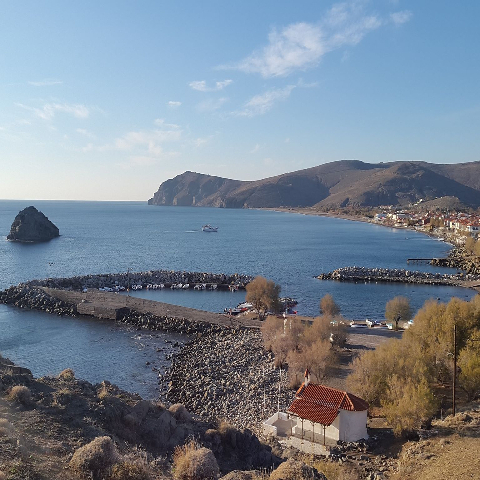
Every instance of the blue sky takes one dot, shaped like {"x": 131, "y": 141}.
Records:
{"x": 104, "y": 100}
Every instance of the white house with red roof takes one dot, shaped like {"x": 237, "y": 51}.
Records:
{"x": 321, "y": 415}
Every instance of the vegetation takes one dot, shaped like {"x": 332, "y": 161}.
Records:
{"x": 191, "y": 462}
{"x": 263, "y": 294}
{"x": 304, "y": 345}
{"x": 295, "y": 470}
{"x": 398, "y": 309}
{"x": 328, "y": 306}
{"x": 21, "y": 394}
{"x": 401, "y": 375}
{"x": 95, "y": 459}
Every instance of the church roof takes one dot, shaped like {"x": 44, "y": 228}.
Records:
{"x": 320, "y": 404}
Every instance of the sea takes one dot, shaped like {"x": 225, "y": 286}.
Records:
{"x": 110, "y": 237}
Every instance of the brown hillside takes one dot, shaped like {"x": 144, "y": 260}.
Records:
{"x": 342, "y": 183}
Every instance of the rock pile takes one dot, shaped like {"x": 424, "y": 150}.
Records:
{"x": 363, "y": 274}
{"x": 25, "y": 296}
{"x": 228, "y": 374}
{"x": 167, "y": 277}
{"x": 30, "y": 225}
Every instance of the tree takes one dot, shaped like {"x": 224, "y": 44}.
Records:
{"x": 408, "y": 405}
{"x": 398, "y": 309}
{"x": 328, "y": 306}
{"x": 469, "y": 365}
{"x": 263, "y": 295}
{"x": 470, "y": 244}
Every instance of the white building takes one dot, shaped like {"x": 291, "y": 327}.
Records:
{"x": 321, "y": 415}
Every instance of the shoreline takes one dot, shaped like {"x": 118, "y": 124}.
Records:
{"x": 469, "y": 284}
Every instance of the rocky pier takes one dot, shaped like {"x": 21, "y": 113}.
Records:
{"x": 151, "y": 277}
{"x": 363, "y": 274}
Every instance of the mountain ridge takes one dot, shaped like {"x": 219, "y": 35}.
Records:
{"x": 336, "y": 184}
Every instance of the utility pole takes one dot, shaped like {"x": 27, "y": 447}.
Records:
{"x": 454, "y": 366}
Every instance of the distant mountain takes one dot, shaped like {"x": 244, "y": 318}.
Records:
{"x": 335, "y": 184}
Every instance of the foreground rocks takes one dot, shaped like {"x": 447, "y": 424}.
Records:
{"x": 30, "y": 225}
{"x": 38, "y": 439}
{"x": 228, "y": 374}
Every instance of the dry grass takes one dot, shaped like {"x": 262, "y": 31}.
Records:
{"x": 191, "y": 462}
{"x": 5, "y": 427}
{"x": 68, "y": 374}
{"x": 129, "y": 471}
{"x": 294, "y": 470}
{"x": 334, "y": 471}
{"x": 180, "y": 413}
{"x": 95, "y": 458}
{"x": 20, "y": 394}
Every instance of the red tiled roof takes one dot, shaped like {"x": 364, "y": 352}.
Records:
{"x": 320, "y": 404}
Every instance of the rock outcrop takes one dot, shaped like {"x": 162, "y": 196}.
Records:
{"x": 30, "y": 225}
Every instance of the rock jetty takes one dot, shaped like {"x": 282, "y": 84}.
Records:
{"x": 363, "y": 274}
{"x": 143, "y": 279}
{"x": 30, "y": 225}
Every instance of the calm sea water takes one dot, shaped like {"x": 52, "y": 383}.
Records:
{"x": 108, "y": 237}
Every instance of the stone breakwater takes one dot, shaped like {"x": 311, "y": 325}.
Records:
{"x": 228, "y": 374}
{"x": 24, "y": 296}
{"x": 167, "y": 277}
{"x": 362, "y": 274}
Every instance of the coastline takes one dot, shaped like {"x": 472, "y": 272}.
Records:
{"x": 469, "y": 284}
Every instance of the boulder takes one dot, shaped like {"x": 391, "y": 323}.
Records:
{"x": 30, "y": 225}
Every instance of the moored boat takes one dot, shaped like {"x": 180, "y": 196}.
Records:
{"x": 209, "y": 228}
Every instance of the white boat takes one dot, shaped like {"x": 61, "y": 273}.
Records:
{"x": 209, "y": 228}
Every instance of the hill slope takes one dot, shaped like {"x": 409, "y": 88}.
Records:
{"x": 342, "y": 183}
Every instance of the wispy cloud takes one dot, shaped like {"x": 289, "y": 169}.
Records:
{"x": 300, "y": 46}
{"x": 399, "y": 18}
{"x": 173, "y": 104}
{"x": 261, "y": 104}
{"x": 201, "y": 85}
{"x": 85, "y": 133}
{"x": 211, "y": 104}
{"x": 49, "y": 110}
{"x": 255, "y": 149}
{"x": 46, "y": 83}
{"x": 160, "y": 122}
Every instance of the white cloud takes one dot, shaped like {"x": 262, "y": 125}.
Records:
{"x": 255, "y": 149}
{"x": 46, "y": 83}
{"x": 86, "y": 133}
{"x": 49, "y": 110}
{"x": 173, "y": 104}
{"x": 160, "y": 122}
{"x": 200, "y": 142}
{"x": 211, "y": 104}
{"x": 300, "y": 46}
{"x": 201, "y": 85}
{"x": 399, "y": 18}
{"x": 261, "y": 104}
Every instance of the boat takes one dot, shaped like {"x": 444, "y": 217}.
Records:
{"x": 209, "y": 228}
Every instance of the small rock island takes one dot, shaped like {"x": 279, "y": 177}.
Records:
{"x": 30, "y": 225}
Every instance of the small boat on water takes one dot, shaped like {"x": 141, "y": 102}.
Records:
{"x": 209, "y": 228}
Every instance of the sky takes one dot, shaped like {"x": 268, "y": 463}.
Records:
{"x": 105, "y": 100}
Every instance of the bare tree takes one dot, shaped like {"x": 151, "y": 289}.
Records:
{"x": 263, "y": 295}
{"x": 398, "y": 309}
{"x": 328, "y": 306}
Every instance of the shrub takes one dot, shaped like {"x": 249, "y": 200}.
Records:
{"x": 5, "y": 427}
{"x": 20, "y": 394}
{"x": 193, "y": 463}
{"x": 180, "y": 413}
{"x": 94, "y": 458}
{"x": 295, "y": 470}
{"x": 129, "y": 471}
{"x": 68, "y": 374}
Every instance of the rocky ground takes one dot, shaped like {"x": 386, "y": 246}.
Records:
{"x": 229, "y": 375}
